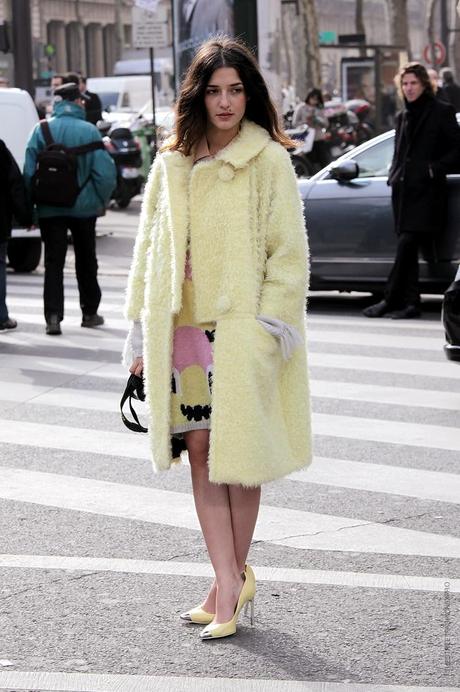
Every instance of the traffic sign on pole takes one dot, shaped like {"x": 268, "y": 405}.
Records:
{"x": 439, "y": 51}
{"x": 148, "y": 32}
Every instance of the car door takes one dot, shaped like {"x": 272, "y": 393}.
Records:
{"x": 350, "y": 223}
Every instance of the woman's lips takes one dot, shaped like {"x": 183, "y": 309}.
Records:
{"x": 224, "y": 116}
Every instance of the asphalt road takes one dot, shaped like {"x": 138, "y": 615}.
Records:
{"x": 357, "y": 558}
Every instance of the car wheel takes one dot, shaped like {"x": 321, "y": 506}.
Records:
{"x": 24, "y": 253}
{"x": 302, "y": 168}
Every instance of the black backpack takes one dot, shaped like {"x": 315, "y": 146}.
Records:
{"x": 55, "y": 181}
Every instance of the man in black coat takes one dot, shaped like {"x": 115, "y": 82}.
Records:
{"x": 427, "y": 147}
{"x": 93, "y": 105}
{"x": 13, "y": 200}
{"x": 450, "y": 88}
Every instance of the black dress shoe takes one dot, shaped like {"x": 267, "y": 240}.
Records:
{"x": 8, "y": 324}
{"x": 376, "y": 310}
{"x": 405, "y": 313}
{"x": 92, "y": 320}
{"x": 53, "y": 325}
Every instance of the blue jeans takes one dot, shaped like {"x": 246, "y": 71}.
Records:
{"x": 3, "y": 308}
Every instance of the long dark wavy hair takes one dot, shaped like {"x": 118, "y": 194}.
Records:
{"x": 191, "y": 116}
{"x": 420, "y": 72}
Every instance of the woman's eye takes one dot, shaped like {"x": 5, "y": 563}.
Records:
{"x": 237, "y": 90}
{"x": 211, "y": 91}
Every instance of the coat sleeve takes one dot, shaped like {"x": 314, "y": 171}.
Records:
{"x": 285, "y": 285}
{"x": 103, "y": 173}
{"x": 17, "y": 193}
{"x": 450, "y": 132}
{"x": 136, "y": 280}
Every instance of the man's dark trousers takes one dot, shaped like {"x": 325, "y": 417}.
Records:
{"x": 54, "y": 235}
{"x": 402, "y": 287}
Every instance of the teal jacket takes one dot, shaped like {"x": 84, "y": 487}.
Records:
{"x": 69, "y": 127}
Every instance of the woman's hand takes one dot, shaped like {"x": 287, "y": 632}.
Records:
{"x": 137, "y": 366}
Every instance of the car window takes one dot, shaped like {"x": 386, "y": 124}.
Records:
{"x": 376, "y": 160}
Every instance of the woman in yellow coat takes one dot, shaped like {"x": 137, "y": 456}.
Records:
{"x": 217, "y": 297}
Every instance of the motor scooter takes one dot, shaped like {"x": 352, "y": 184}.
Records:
{"x": 304, "y": 137}
{"x": 126, "y": 152}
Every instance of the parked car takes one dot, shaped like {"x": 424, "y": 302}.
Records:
{"x": 18, "y": 118}
{"x": 347, "y": 208}
{"x": 451, "y": 319}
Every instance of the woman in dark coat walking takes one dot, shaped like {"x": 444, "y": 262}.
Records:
{"x": 427, "y": 147}
{"x": 13, "y": 200}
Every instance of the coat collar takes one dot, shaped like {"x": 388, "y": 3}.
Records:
{"x": 249, "y": 142}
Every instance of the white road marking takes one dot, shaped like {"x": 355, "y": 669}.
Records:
{"x": 288, "y": 527}
{"x": 404, "y": 582}
{"x": 356, "y": 363}
{"x": 70, "y": 321}
{"x": 349, "y": 337}
{"x": 71, "y": 366}
{"x": 382, "y": 478}
{"x": 403, "y": 325}
{"x": 379, "y": 394}
{"x": 389, "y": 431}
{"x": 93, "y": 682}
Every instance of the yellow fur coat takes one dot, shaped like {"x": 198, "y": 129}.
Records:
{"x": 249, "y": 253}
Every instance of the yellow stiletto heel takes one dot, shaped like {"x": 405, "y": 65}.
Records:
{"x": 198, "y": 616}
{"x": 226, "y": 629}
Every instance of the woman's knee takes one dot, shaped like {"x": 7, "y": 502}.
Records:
{"x": 197, "y": 442}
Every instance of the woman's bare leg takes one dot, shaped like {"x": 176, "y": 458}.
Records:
{"x": 244, "y": 507}
{"x": 212, "y": 502}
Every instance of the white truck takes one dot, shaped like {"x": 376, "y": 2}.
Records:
{"x": 18, "y": 116}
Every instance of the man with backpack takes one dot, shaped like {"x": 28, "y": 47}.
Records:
{"x": 69, "y": 177}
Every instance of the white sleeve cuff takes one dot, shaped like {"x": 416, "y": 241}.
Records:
{"x": 133, "y": 347}
{"x": 289, "y": 336}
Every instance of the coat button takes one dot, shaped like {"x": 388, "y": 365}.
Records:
{"x": 226, "y": 173}
{"x": 223, "y": 304}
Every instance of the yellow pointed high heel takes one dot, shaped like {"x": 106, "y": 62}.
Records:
{"x": 198, "y": 616}
{"x": 226, "y": 629}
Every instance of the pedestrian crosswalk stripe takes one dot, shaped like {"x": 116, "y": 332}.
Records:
{"x": 389, "y": 431}
{"x": 94, "y": 682}
{"x": 382, "y": 478}
{"x": 375, "y": 324}
{"x": 278, "y": 525}
{"x": 51, "y": 364}
{"x": 403, "y": 582}
{"x": 403, "y": 366}
{"x": 380, "y": 394}
{"x": 352, "y": 338}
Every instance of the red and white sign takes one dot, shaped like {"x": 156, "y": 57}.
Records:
{"x": 439, "y": 53}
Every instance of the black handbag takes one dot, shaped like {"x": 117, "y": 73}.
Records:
{"x": 134, "y": 390}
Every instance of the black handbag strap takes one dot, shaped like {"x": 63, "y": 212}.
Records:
{"x": 134, "y": 390}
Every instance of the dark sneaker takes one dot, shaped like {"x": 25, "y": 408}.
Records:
{"x": 92, "y": 320}
{"x": 53, "y": 325}
{"x": 406, "y": 313}
{"x": 8, "y": 324}
{"x": 376, "y": 310}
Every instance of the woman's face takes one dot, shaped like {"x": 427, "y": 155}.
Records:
{"x": 313, "y": 100}
{"x": 225, "y": 99}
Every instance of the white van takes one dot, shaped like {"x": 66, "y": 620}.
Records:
{"x": 124, "y": 93}
{"x": 18, "y": 116}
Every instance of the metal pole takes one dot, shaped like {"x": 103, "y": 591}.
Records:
{"x": 444, "y": 31}
{"x": 152, "y": 76}
{"x": 173, "y": 22}
{"x": 378, "y": 92}
{"x": 22, "y": 45}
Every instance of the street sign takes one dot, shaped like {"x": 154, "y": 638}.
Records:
{"x": 148, "y": 5}
{"x": 148, "y": 32}
{"x": 327, "y": 37}
{"x": 439, "y": 53}
{"x": 50, "y": 50}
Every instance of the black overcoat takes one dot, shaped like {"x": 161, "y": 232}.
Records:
{"x": 13, "y": 199}
{"x": 424, "y": 154}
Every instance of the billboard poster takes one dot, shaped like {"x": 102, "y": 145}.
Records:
{"x": 358, "y": 79}
{"x": 197, "y": 20}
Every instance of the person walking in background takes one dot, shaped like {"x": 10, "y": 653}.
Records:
{"x": 219, "y": 280}
{"x": 93, "y": 105}
{"x": 13, "y": 201}
{"x": 427, "y": 147}
{"x": 95, "y": 179}
{"x": 311, "y": 113}
{"x": 450, "y": 88}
